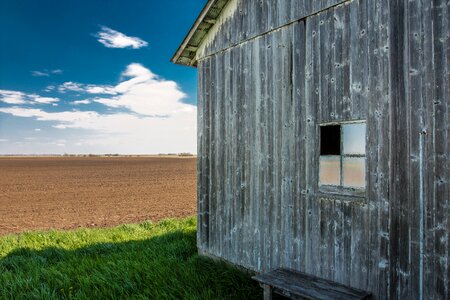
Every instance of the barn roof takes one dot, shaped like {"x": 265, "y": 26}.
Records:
{"x": 185, "y": 54}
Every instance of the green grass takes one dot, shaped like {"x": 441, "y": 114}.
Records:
{"x": 142, "y": 261}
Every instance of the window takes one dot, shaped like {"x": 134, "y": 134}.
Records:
{"x": 342, "y": 161}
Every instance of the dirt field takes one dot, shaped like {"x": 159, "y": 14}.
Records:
{"x": 71, "y": 192}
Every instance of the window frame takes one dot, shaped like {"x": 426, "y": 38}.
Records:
{"x": 341, "y": 190}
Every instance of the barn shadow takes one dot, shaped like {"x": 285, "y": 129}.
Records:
{"x": 161, "y": 267}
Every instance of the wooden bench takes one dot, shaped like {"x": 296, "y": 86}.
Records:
{"x": 297, "y": 285}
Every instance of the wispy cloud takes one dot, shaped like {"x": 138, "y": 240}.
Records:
{"x": 44, "y": 100}
{"x": 49, "y": 88}
{"x": 74, "y": 118}
{"x": 12, "y": 97}
{"x": 146, "y": 115}
{"x": 78, "y": 102}
{"x": 46, "y": 73}
{"x": 114, "y": 39}
{"x": 122, "y": 132}
{"x": 39, "y": 74}
{"x": 100, "y": 89}
{"x": 70, "y": 86}
{"x": 141, "y": 92}
{"x": 17, "y": 97}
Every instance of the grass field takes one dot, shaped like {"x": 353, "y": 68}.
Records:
{"x": 141, "y": 261}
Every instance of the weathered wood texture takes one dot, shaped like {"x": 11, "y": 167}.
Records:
{"x": 243, "y": 19}
{"x": 298, "y": 285}
{"x": 420, "y": 179}
{"x": 260, "y": 103}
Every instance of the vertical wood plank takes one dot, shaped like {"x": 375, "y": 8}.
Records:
{"x": 299, "y": 111}
{"x": 205, "y": 154}
{"x": 200, "y": 157}
{"x": 212, "y": 159}
{"x": 441, "y": 150}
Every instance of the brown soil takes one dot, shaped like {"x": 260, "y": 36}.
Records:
{"x": 39, "y": 193}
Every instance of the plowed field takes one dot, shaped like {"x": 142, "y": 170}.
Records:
{"x": 69, "y": 192}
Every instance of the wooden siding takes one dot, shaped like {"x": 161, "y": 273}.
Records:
{"x": 260, "y": 103}
{"x": 245, "y": 19}
{"x": 420, "y": 175}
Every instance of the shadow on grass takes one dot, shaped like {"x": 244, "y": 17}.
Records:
{"x": 165, "y": 266}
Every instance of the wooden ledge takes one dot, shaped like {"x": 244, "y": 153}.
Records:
{"x": 298, "y": 285}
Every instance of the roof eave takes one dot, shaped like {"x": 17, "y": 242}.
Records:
{"x": 186, "y": 52}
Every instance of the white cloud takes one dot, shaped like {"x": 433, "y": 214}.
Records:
{"x": 66, "y": 117}
{"x": 46, "y": 73}
{"x": 3, "y": 140}
{"x": 141, "y": 91}
{"x": 17, "y": 97}
{"x": 86, "y": 88}
{"x": 78, "y": 102}
{"x": 49, "y": 88}
{"x": 39, "y": 74}
{"x": 70, "y": 86}
{"x": 100, "y": 89}
{"x": 12, "y": 97}
{"x": 37, "y": 129}
{"x": 115, "y": 39}
{"x": 45, "y": 100}
{"x": 146, "y": 94}
{"x": 158, "y": 121}
{"x": 122, "y": 132}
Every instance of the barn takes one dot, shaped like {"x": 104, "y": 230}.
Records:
{"x": 323, "y": 139}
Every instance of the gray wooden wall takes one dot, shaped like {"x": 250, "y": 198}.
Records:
{"x": 255, "y": 17}
{"x": 260, "y": 103}
{"x": 420, "y": 185}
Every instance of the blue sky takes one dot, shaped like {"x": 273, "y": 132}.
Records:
{"x": 95, "y": 77}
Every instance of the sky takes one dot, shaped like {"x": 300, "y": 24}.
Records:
{"x": 94, "y": 76}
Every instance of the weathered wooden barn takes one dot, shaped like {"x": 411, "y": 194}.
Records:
{"x": 324, "y": 139}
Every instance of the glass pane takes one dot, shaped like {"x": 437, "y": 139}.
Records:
{"x": 354, "y": 138}
{"x": 354, "y": 170}
{"x": 330, "y": 170}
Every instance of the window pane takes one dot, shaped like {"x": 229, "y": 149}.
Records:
{"x": 330, "y": 140}
{"x": 354, "y": 138}
{"x": 354, "y": 170}
{"x": 330, "y": 170}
